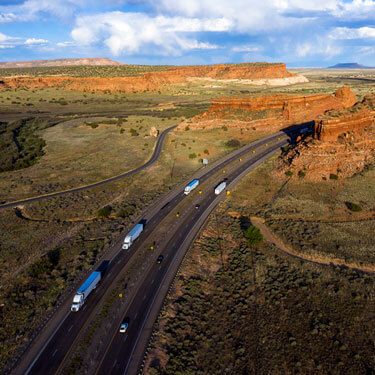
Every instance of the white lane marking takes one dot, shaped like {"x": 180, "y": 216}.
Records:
{"x": 136, "y": 316}
{"x": 110, "y": 274}
{"x": 144, "y": 297}
{"x": 114, "y": 364}
{"x": 152, "y": 281}
{"x": 70, "y": 328}
{"x": 54, "y": 353}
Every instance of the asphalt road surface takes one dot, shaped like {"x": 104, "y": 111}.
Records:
{"x": 126, "y": 350}
{"x": 152, "y": 160}
{"x": 119, "y": 358}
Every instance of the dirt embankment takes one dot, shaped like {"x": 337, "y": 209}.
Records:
{"x": 151, "y": 81}
{"x": 343, "y": 144}
{"x": 271, "y": 112}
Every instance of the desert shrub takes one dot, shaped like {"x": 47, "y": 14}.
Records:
{"x": 333, "y": 176}
{"x": 353, "y": 206}
{"x": 187, "y": 128}
{"x": 289, "y": 173}
{"x": 93, "y": 125}
{"x": 134, "y": 132}
{"x": 206, "y": 152}
{"x": 225, "y": 128}
{"x": 253, "y": 235}
{"x": 233, "y": 143}
{"x": 104, "y": 211}
{"x": 192, "y": 155}
{"x": 301, "y": 174}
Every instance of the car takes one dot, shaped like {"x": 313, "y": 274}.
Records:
{"x": 160, "y": 259}
{"x": 197, "y": 206}
{"x": 123, "y": 327}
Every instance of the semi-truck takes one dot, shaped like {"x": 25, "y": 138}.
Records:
{"x": 191, "y": 186}
{"x": 132, "y": 236}
{"x": 85, "y": 289}
{"x": 219, "y": 188}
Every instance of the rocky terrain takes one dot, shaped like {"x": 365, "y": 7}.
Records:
{"x": 154, "y": 80}
{"x": 59, "y": 62}
{"x": 343, "y": 144}
{"x": 271, "y": 112}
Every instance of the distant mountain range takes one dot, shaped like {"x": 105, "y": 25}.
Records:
{"x": 59, "y": 62}
{"x": 350, "y": 66}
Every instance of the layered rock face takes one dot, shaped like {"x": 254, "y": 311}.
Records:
{"x": 152, "y": 81}
{"x": 272, "y": 111}
{"x": 355, "y": 119}
{"x": 344, "y": 143}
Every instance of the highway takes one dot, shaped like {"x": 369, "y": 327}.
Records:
{"x": 154, "y": 157}
{"x": 125, "y": 353}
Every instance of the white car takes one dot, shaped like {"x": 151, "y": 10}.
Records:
{"x": 123, "y": 327}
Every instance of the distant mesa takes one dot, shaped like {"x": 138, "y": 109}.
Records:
{"x": 59, "y": 62}
{"x": 350, "y": 66}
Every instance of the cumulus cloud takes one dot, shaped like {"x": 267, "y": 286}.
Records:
{"x": 132, "y": 32}
{"x": 350, "y": 33}
{"x": 7, "y": 41}
{"x": 35, "y": 41}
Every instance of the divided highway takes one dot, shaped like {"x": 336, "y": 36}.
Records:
{"x": 125, "y": 352}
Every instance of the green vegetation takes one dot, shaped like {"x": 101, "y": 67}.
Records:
{"x": 104, "y": 211}
{"x": 233, "y": 143}
{"x": 253, "y": 235}
{"x": 20, "y": 144}
{"x": 333, "y": 176}
{"x": 353, "y": 206}
{"x": 258, "y": 312}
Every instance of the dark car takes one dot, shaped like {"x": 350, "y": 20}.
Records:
{"x": 160, "y": 259}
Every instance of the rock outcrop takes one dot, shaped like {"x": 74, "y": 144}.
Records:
{"x": 343, "y": 144}
{"x": 154, "y": 80}
{"x": 271, "y": 111}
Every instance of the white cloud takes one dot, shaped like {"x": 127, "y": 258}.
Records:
{"x": 66, "y": 44}
{"x": 7, "y": 17}
{"x": 246, "y": 48}
{"x": 133, "y": 32}
{"x": 35, "y": 41}
{"x": 349, "y": 33}
{"x": 317, "y": 48}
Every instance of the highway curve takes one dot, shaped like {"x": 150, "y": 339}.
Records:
{"x": 152, "y": 160}
{"x": 47, "y": 354}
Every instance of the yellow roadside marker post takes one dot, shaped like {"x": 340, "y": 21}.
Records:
{"x": 120, "y": 295}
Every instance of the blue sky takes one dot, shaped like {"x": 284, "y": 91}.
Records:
{"x": 298, "y": 32}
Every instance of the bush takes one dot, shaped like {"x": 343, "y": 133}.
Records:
{"x": 333, "y": 176}
{"x": 233, "y": 143}
{"x": 104, "y": 211}
{"x": 225, "y": 128}
{"x": 192, "y": 155}
{"x": 253, "y": 235}
{"x": 289, "y": 173}
{"x": 187, "y": 128}
{"x": 206, "y": 152}
{"x": 301, "y": 174}
{"x": 353, "y": 206}
{"x": 134, "y": 132}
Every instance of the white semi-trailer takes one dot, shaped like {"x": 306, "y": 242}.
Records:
{"x": 219, "y": 188}
{"x": 85, "y": 289}
{"x": 191, "y": 186}
{"x": 132, "y": 236}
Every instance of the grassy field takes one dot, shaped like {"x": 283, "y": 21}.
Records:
{"x": 71, "y": 138}
{"x": 243, "y": 306}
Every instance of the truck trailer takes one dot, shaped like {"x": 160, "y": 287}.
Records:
{"x": 191, "y": 186}
{"x": 219, "y": 188}
{"x": 85, "y": 289}
{"x": 132, "y": 236}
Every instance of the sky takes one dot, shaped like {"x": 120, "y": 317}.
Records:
{"x": 301, "y": 33}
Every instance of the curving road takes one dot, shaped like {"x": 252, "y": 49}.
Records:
{"x": 152, "y": 160}
{"x": 125, "y": 352}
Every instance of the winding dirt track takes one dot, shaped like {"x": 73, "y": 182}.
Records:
{"x": 317, "y": 259}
